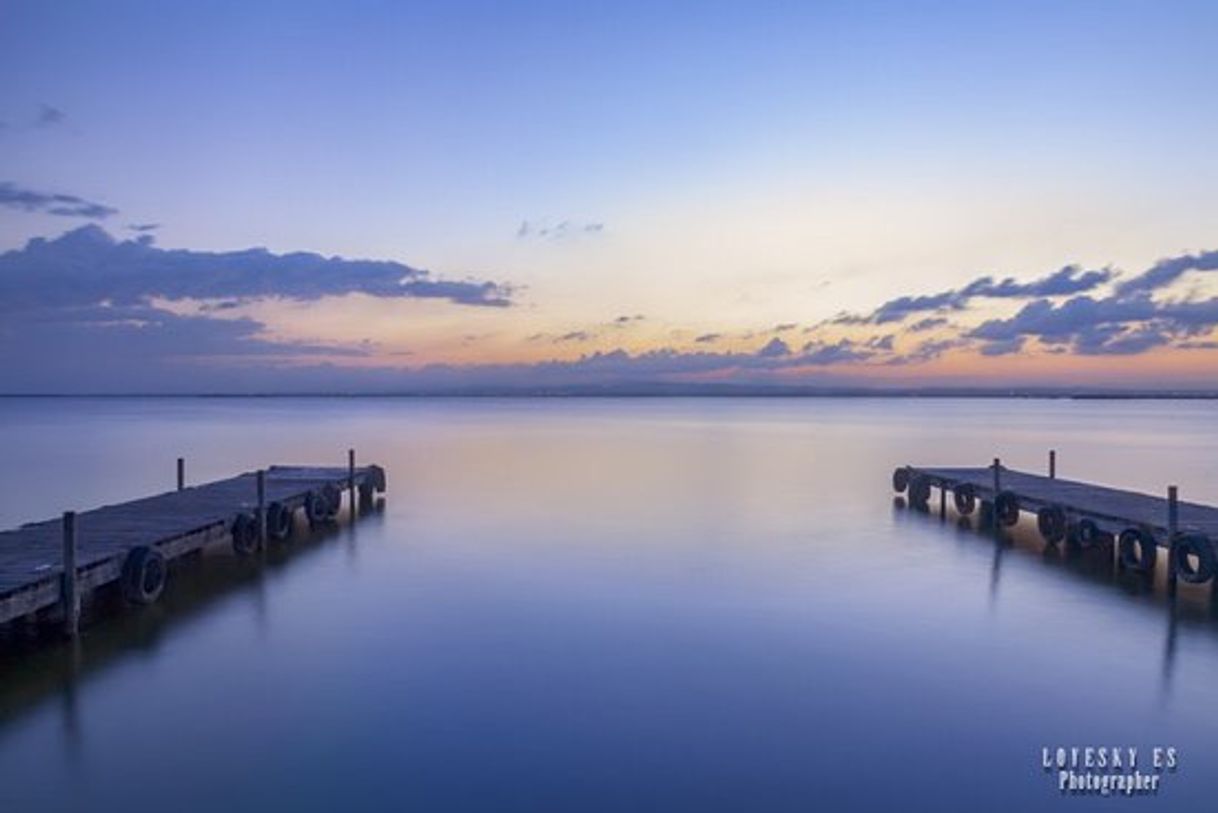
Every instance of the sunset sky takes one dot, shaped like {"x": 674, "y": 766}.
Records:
{"x": 366, "y": 196}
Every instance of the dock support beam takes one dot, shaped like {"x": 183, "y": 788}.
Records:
{"x": 1173, "y": 526}
{"x": 351, "y": 480}
{"x": 181, "y": 473}
{"x": 1053, "y": 464}
{"x": 262, "y": 508}
{"x": 71, "y": 594}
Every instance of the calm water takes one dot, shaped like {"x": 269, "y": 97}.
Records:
{"x": 620, "y": 605}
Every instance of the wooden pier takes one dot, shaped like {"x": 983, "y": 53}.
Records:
{"x": 49, "y": 567}
{"x": 1081, "y": 514}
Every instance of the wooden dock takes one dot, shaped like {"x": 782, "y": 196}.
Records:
{"x": 1081, "y": 514}
{"x": 48, "y": 567}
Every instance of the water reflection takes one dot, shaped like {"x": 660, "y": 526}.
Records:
{"x": 37, "y": 661}
{"x": 1097, "y": 565}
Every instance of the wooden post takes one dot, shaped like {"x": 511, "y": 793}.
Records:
{"x": 994, "y": 523}
{"x": 351, "y": 480}
{"x": 942, "y": 500}
{"x": 71, "y": 596}
{"x": 1173, "y": 526}
{"x": 262, "y": 507}
{"x": 1052, "y": 464}
{"x": 181, "y": 473}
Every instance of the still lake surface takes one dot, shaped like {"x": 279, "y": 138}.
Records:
{"x": 585, "y": 604}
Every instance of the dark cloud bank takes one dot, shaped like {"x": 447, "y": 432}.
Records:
{"x": 78, "y": 313}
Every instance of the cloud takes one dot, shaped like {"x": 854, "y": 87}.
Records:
{"x": 929, "y": 323}
{"x": 574, "y": 336}
{"x": 626, "y": 321}
{"x": 544, "y": 230}
{"x": 49, "y": 116}
{"x": 774, "y": 348}
{"x": 87, "y": 266}
{"x": 784, "y": 327}
{"x": 842, "y": 352}
{"x": 1003, "y": 348}
{"x": 1167, "y": 271}
{"x": 707, "y": 338}
{"x": 1116, "y": 324}
{"x": 52, "y": 203}
{"x": 1068, "y": 280}
{"x": 84, "y": 309}
{"x": 143, "y": 227}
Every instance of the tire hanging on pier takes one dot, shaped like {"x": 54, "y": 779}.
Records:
{"x": 1051, "y": 522}
{"x": 279, "y": 522}
{"x": 377, "y": 475}
{"x": 1006, "y": 508}
{"x": 334, "y": 498}
{"x": 1087, "y": 534}
{"x": 244, "y": 531}
{"x": 1137, "y": 550}
{"x": 965, "y": 498}
{"x": 1188, "y": 547}
{"x": 919, "y": 491}
{"x": 317, "y": 508}
{"x": 900, "y": 479}
{"x": 143, "y": 577}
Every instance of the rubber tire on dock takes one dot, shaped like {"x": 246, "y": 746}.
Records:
{"x": 900, "y": 479}
{"x": 377, "y": 475}
{"x": 1006, "y": 508}
{"x": 1137, "y": 550}
{"x": 317, "y": 508}
{"x": 334, "y": 498}
{"x": 244, "y": 530}
{"x": 919, "y": 491}
{"x": 143, "y": 577}
{"x": 279, "y": 523}
{"x": 1087, "y": 534}
{"x": 965, "y": 498}
{"x": 1199, "y": 546}
{"x": 1051, "y": 522}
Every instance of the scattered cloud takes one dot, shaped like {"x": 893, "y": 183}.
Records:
{"x": 774, "y": 348}
{"x": 707, "y": 338}
{"x": 545, "y": 230}
{"x": 929, "y": 323}
{"x": 143, "y": 228}
{"x": 574, "y": 336}
{"x": 52, "y": 203}
{"x": 1167, "y": 271}
{"x": 49, "y": 116}
{"x": 1068, "y": 280}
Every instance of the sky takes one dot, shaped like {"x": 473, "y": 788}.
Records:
{"x": 363, "y": 196}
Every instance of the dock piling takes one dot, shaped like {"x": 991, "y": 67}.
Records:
{"x": 351, "y": 479}
{"x": 71, "y": 593}
{"x": 262, "y": 508}
{"x": 997, "y": 477}
{"x": 1052, "y": 464}
{"x": 181, "y": 473}
{"x": 1173, "y": 526}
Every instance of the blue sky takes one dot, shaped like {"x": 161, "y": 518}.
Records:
{"x": 716, "y": 168}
